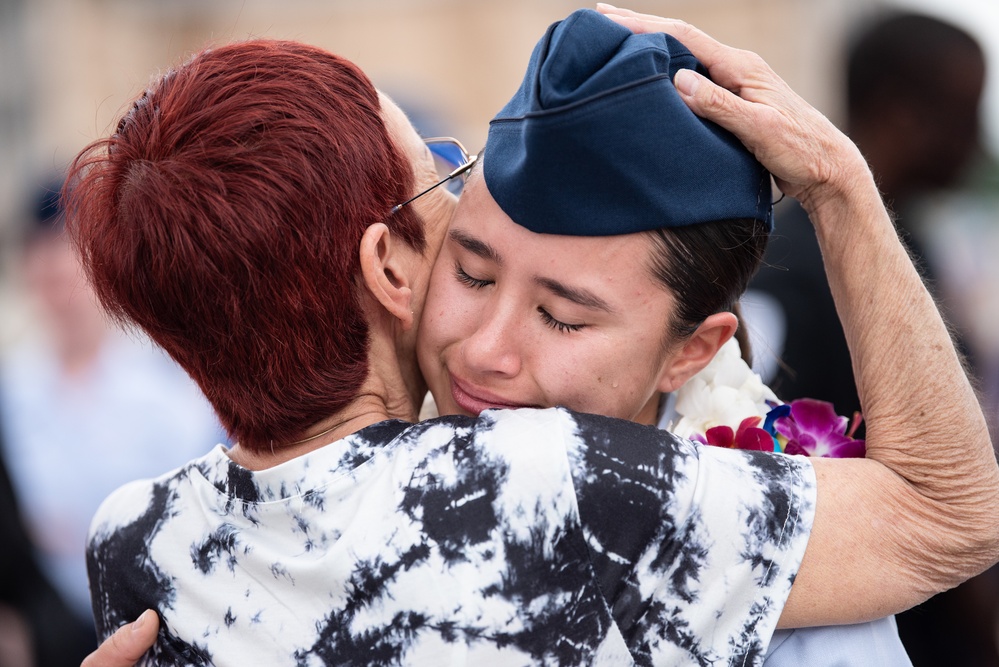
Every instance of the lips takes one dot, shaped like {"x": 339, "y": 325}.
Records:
{"x": 474, "y": 400}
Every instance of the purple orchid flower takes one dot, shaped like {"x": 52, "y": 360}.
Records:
{"x": 813, "y": 428}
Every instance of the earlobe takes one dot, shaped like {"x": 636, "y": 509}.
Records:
{"x": 697, "y": 351}
{"x": 383, "y": 270}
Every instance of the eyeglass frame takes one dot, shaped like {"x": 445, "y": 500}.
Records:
{"x": 460, "y": 171}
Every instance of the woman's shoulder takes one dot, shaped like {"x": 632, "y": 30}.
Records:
{"x": 140, "y": 499}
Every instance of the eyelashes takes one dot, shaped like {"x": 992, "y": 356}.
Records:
{"x": 546, "y": 317}
{"x": 558, "y": 325}
{"x": 469, "y": 281}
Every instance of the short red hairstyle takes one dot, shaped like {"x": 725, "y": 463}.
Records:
{"x": 224, "y": 217}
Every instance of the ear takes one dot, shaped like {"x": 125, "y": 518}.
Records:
{"x": 384, "y": 272}
{"x": 697, "y": 351}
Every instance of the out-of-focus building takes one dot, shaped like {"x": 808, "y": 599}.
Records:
{"x": 68, "y": 66}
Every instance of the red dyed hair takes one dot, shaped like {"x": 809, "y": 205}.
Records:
{"x": 224, "y": 218}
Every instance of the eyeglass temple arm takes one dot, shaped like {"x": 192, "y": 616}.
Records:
{"x": 457, "y": 172}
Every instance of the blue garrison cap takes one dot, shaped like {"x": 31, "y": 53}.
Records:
{"x": 598, "y": 142}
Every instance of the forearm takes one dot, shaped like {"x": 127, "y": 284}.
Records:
{"x": 916, "y": 397}
{"x": 924, "y": 423}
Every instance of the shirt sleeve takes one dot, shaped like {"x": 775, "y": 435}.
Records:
{"x": 125, "y": 579}
{"x": 695, "y": 547}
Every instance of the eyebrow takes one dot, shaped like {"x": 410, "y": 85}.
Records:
{"x": 475, "y": 246}
{"x": 577, "y": 295}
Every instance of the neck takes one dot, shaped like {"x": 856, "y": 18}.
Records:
{"x": 649, "y": 414}
{"x": 388, "y": 393}
{"x": 362, "y": 412}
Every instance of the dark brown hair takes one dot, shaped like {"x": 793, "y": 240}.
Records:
{"x": 708, "y": 266}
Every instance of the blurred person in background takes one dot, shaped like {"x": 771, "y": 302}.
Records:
{"x": 37, "y": 628}
{"x": 914, "y": 89}
{"x": 84, "y": 409}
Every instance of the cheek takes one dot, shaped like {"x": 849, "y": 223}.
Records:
{"x": 613, "y": 379}
{"x": 446, "y": 316}
{"x": 437, "y": 220}
{"x": 583, "y": 377}
{"x": 431, "y": 344}
{"x": 434, "y": 316}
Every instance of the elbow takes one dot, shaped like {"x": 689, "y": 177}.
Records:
{"x": 963, "y": 532}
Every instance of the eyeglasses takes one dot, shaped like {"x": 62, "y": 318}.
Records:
{"x": 453, "y": 164}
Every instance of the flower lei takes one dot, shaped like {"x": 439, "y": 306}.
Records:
{"x": 728, "y": 393}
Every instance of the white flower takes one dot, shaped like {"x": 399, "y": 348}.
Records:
{"x": 725, "y": 392}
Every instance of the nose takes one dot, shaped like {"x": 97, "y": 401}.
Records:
{"x": 494, "y": 348}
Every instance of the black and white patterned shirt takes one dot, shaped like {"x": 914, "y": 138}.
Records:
{"x": 528, "y": 537}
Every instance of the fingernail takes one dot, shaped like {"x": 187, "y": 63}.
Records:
{"x": 686, "y": 82}
{"x": 143, "y": 618}
{"x": 604, "y": 5}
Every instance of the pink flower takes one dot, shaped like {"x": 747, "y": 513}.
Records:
{"x": 813, "y": 428}
{"x": 748, "y": 436}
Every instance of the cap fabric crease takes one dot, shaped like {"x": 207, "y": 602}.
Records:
{"x": 597, "y": 140}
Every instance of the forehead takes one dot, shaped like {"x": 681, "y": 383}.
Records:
{"x": 612, "y": 257}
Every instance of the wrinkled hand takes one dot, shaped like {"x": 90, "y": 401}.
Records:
{"x": 127, "y": 645}
{"x": 808, "y": 156}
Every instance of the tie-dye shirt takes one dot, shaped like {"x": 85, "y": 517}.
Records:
{"x": 528, "y": 537}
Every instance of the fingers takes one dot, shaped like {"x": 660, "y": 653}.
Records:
{"x": 804, "y": 151}
{"x": 706, "y": 49}
{"x": 127, "y": 645}
{"x": 641, "y": 22}
{"x": 742, "y": 72}
{"x": 711, "y": 101}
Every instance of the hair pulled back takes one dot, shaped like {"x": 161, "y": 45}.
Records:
{"x": 708, "y": 267}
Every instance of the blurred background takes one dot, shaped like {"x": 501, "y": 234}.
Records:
{"x": 76, "y": 395}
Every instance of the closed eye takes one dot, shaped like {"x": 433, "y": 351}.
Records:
{"x": 469, "y": 281}
{"x": 558, "y": 325}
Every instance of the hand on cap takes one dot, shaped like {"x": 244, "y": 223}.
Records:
{"x": 808, "y": 156}
{"x": 127, "y": 645}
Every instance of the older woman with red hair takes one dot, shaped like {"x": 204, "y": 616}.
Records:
{"x": 254, "y": 213}
{"x": 210, "y": 222}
